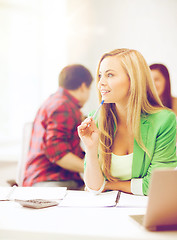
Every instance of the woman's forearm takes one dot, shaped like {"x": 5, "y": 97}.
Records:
{"x": 94, "y": 178}
{"x": 124, "y": 186}
{"x": 93, "y": 175}
{"x": 89, "y": 134}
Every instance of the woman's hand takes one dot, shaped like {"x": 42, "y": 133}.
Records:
{"x": 89, "y": 133}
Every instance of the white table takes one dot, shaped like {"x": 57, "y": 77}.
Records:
{"x": 19, "y": 223}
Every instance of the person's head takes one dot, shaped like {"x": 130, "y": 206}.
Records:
{"x": 125, "y": 75}
{"x": 125, "y": 82}
{"x": 161, "y": 77}
{"x": 77, "y": 80}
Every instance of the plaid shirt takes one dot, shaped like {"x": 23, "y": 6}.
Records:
{"x": 54, "y": 134}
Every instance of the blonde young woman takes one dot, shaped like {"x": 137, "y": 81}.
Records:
{"x": 133, "y": 134}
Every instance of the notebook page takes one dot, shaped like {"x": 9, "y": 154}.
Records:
{"x": 88, "y": 199}
{"x": 130, "y": 200}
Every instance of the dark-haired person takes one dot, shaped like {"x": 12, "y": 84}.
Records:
{"x": 161, "y": 78}
{"x": 55, "y": 157}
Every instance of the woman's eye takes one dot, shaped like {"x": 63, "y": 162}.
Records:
{"x": 110, "y": 75}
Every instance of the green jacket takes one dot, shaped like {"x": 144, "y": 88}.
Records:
{"x": 158, "y": 133}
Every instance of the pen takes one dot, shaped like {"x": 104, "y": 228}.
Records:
{"x": 95, "y": 114}
{"x": 118, "y": 197}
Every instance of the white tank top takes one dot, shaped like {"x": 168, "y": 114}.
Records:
{"x": 121, "y": 166}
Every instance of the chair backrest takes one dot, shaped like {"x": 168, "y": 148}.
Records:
{"x": 27, "y": 129}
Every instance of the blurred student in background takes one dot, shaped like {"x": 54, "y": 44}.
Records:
{"x": 55, "y": 157}
{"x": 161, "y": 78}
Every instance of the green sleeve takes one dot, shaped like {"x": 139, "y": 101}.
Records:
{"x": 164, "y": 154}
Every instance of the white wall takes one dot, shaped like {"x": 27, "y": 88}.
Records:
{"x": 97, "y": 26}
{"x": 32, "y": 52}
{"x": 39, "y": 37}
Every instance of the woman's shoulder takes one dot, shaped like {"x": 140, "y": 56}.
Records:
{"x": 161, "y": 120}
{"x": 162, "y": 116}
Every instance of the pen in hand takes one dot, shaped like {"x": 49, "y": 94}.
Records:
{"x": 95, "y": 114}
{"x": 93, "y": 117}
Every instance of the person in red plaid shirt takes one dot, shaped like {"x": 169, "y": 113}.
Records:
{"x": 55, "y": 156}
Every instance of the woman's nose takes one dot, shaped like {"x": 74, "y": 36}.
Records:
{"x": 102, "y": 81}
{"x": 100, "y": 84}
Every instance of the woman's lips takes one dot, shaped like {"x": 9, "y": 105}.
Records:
{"x": 104, "y": 92}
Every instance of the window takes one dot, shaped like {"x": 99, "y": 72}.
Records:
{"x": 32, "y": 53}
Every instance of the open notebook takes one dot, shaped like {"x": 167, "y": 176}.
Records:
{"x": 105, "y": 199}
{"x": 87, "y": 199}
{"x": 161, "y": 213}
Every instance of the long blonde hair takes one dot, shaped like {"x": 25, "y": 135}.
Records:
{"x": 143, "y": 99}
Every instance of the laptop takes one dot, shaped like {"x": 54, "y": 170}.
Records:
{"x": 161, "y": 212}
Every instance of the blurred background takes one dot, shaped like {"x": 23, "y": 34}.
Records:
{"x": 39, "y": 37}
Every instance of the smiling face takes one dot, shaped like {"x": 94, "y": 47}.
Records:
{"x": 114, "y": 83}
